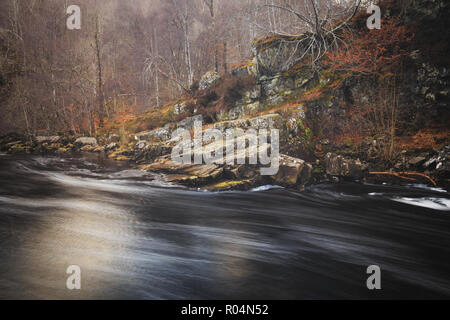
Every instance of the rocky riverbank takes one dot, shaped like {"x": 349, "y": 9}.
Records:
{"x": 431, "y": 167}
{"x": 155, "y": 157}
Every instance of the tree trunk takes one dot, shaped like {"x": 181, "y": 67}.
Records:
{"x": 100, "y": 97}
{"x": 225, "y": 66}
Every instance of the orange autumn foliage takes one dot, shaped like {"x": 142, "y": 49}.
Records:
{"x": 313, "y": 94}
{"x": 425, "y": 139}
{"x": 372, "y": 51}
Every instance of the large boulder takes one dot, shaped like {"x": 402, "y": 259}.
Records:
{"x": 209, "y": 80}
{"x": 274, "y": 55}
{"x": 83, "y": 141}
{"x": 293, "y": 172}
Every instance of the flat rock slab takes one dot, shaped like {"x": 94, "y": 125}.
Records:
{"x": 186, "y": 174}
{"x": 44, "y": 139}
{"x": 86, "y": 141}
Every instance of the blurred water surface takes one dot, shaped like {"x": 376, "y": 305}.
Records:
{"x": 135, "y": 237}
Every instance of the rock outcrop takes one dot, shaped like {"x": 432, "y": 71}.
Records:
{"x": 161, "y": 134}
{"x": 338, "y": 166}
{"x": 269, "y": 121}
{"x": 209, "y": 80}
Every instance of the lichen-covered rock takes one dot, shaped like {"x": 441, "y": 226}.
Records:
{"x": 209, "y": 80}
{"x": 145, "y": 151}
{"x": 272, "y": 86}
{"x": 269, "y": 121}
{"x": 338, "y": 166}
{"x": 254, "y": 93}
{"x": 243, "y": 110}
{"x": 188, "y": 123}
{"x": 161, "y": 134}
{"x": 236, "y": 113}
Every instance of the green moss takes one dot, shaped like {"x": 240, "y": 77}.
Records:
{"x": 168, "y": 117}
{"x": 319, "y": 169}
{"x": 18, "y": 148}
{"x": 349, "y": 142}
{"x": 62, "y": 150}
{"x": 306, "y": 135}
{"x": 231, "y": 184}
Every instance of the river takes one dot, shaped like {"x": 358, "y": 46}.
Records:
{"x": 135, "y": 237}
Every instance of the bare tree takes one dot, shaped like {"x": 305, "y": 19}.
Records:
{"x": 98, "y": 56}
{"x": 318, "y": 22}
{"x": 210, "y": 5}
{"x": 183, "y": 21}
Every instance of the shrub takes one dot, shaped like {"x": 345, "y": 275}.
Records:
{"x": 372, "y": 52}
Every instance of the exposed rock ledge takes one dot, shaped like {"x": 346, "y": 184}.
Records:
{"x": 292, "y": 173}
{"x": 155, "y": 157}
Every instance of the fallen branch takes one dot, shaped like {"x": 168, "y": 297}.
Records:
{"x": 402, "y": 174}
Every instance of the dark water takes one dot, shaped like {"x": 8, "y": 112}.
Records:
{"x": 135, "y": 238}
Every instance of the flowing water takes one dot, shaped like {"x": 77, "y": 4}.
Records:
{"x": 136, "y": 238}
